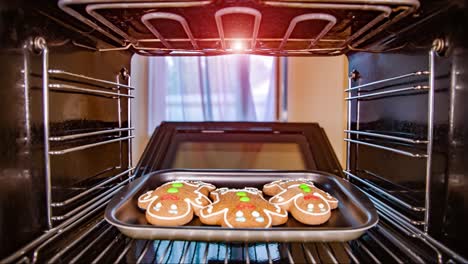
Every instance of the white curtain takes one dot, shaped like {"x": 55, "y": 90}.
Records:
{"x": 218, "y": 88}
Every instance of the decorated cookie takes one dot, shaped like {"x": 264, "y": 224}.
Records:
{"x": 240, "y": 208}
{"x": 174, "y": 203}
{"x": 306, "y": 203}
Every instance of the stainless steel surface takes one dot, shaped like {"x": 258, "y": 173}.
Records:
{"x": 119, "y": 120}
{"x": 57, "y": 72}
{"x": 68, "y": 76}
{"x": 91, "y": 244}
{"x": 75, "y": 242}
{"x": 381, "y": 206}
{"x": 56, "y": 232}
{"x": 129, "y": 124}
{"x": 399, "y": 90}
{"x": 430, "y": 135}
{"x": 379, "y": 135}
{"x": 402, "y": 152}
{"x": 375, "y": 25}
{"x": 348, "y": 127}
{"x": 412, "y": 231}
{"x": 89, "y": 134}
{"x": 82, "y": 147}
{"x": 314, "y": 16}
{"x": 385, "y": 193}
{"x": 238, "y": 10}
{"x": 101, "y": 196}
{"x": 68, "y": 87}
{"x": 352, "y": 218}
{"x": 90, "y": 190}
{"x": 45, "y": 113}
{"x": 403, "y": 76}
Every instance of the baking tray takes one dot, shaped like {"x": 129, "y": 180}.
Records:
{"x": 354, "y": 215}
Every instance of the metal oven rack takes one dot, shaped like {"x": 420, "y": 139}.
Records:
{"x": 93, "y": 13}
{"x": 382, "y": 244}
{"x": 101, "y": 190}
{"x": 405, "y": 224}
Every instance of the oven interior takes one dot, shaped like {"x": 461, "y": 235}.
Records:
{"x": 68, "y": 125}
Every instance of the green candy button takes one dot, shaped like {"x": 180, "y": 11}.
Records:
{"x": 306, "y": 189}
{"x": 244, "y": 199}
{"x": 303, "y": 185}
{"x": 172, "y": 190}
{"x": 177, "y": 184}
{"x": 241, "y": 194}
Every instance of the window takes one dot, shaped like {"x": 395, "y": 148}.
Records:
{"x": 218, "y": 88}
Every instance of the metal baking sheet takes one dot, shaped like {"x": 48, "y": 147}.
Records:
{"x": 354, "y": 215}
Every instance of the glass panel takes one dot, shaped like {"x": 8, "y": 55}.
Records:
{"x": 239, "y": 155}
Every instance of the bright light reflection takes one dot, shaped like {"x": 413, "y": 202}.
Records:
{"x": 238, "y": 45}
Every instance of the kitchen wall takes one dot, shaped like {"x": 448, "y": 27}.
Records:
{"x": 139, "y": 71}
{"x": 316, "y": 94}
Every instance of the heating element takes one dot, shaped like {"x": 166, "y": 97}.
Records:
{"x": 264, "y": 27}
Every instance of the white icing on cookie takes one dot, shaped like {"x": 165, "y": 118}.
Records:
{"x": 294, "y": 199}
{"x": 323, "y": 211}
{"x": 189, "y": 209}
{"x": 240, "y": 219}
{"x": 225, "y": 211}
{"x": 147, "y": 197}
{"x": 255, "y": 214}
{"x": 278, "y": 182}
{"x": 239, "y": 214}
{"x": 260, "y": 219}
{"x": 157, "y": 207}
{"x": 250, "y": 190}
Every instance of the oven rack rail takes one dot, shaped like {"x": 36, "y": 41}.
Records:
{"x": 388, "y": 13}
{"x": 56, "y": 81}
{"x": 373, "y": 90}
{"x": 380, "y": 245}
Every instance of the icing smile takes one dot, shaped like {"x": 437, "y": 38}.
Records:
{"x": 169, "y": 197}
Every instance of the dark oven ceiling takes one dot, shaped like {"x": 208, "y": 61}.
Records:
{"x": 267, "y": 27}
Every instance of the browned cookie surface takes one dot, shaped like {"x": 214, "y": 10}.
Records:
{"x": 307, "y": 203}
{"x": 174, "y": 203}
{"x": 241, "y": 208}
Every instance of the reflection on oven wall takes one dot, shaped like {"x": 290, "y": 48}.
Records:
{"x": 314, "y": 94}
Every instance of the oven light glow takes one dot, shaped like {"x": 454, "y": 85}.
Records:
{"x": 238, "y": 45}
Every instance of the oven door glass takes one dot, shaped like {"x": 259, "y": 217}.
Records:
{"x": 240, "y": 151}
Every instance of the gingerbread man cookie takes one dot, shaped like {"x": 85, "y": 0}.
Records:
{"x": 240, "y": 208}
{"x": 174, "y": 203}
{"x": 306, "y": 203}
